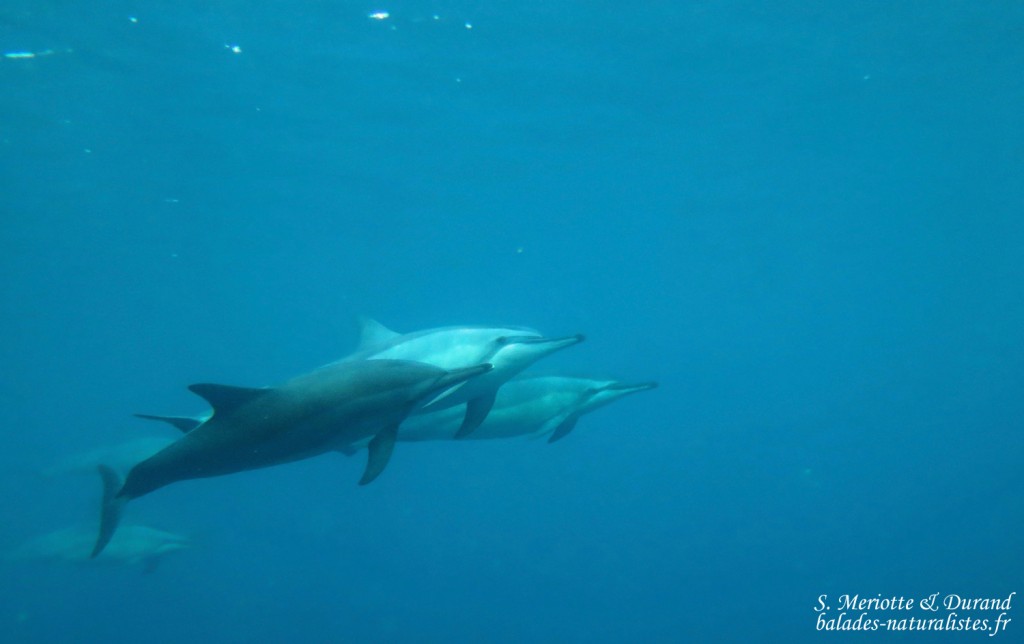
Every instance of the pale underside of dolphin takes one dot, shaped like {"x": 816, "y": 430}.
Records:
{"x": 509, "y": 349}
{"x": 531, "y": 406}
{"x": 306, "y": 416}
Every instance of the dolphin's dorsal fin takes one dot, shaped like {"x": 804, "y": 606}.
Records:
{"x": 226, "y": 398}
{"x": 183, "y": 423}
{"x": 372, "y": 333}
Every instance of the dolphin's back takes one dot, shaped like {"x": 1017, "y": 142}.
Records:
{"x": 448, "y": 347}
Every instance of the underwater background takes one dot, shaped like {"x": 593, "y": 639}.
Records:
{"x": 804, "y": 220}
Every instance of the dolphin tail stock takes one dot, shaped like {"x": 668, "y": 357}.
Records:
{"x": 110, "y": 510}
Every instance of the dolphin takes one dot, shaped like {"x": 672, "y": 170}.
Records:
{"x": 133, "y": 544}
{"x": 533, "y": 406}
{"x": 306, "y": 416}
{"x": 121, "y": 456}
{"x": 509, "y": 349}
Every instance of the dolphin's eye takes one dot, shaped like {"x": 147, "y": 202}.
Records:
{"x": 503, "y": 339}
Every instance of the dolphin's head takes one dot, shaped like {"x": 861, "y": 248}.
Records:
{"x": 515, "y": 351}
{"x": 139, "y": 542}
{"x": 593, "y": 394}
{"x": 601, "y": 393}
{"x": 173, "y": 545}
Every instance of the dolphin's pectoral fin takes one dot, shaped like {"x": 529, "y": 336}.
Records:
{"x": 110, "y": 511}
{"x": 150, "y": 564}
{"x": 476, "y": 411}
{"x": 563, "y": 428}
{"x": 380, "y": 449}
{"x": 225, "y": 398}
{"x": 372, "y": 333}
{"x": 184, "y": 424}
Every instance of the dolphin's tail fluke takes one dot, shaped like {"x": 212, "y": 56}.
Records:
{"x": 110, "y": 512}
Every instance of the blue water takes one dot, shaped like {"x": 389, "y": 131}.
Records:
{"x": 804, "y": 220}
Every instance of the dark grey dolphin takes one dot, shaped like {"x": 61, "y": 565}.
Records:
{"x": 314, "y": 413}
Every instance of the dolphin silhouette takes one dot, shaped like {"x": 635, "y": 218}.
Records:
{"x": 133, "y": 544}
{"x": 308, "y": 415}
{"x": 534, "y": 406}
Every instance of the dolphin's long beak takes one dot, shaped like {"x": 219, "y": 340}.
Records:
{"x": 627, "y": 388}
{"x": 559, "y": 343}
{"x": 530, "y": 348}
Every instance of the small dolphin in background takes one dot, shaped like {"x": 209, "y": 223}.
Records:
{"x": 533, "y": 406}
{"x": 120, "y": 457}
{"x": 508, "y": 349}
{"x": 132, "y": 545}
{"x": 311, "y": 414}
